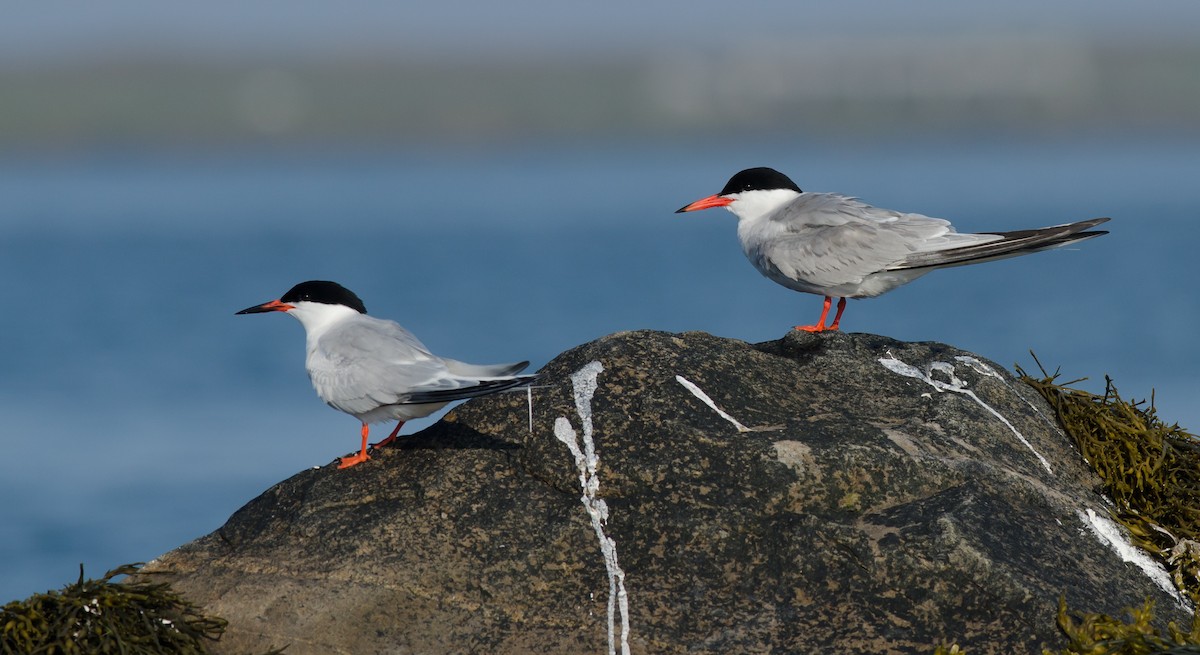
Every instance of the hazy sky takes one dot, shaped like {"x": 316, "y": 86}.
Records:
{"x": 34, "y": 32}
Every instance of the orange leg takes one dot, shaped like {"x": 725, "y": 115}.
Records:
{"x": 347, "y": 462}
{"x": 391, "y": 437}
{"x": 838, "y": 318}
{"x": 820, "y": 326}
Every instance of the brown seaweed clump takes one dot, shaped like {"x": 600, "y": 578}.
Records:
{"x": 102, "y": 616}
{"x": 1099, "y": 634}
{"x": 1151, "y": 471}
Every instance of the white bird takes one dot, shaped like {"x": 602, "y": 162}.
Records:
{"x": 836, "y": 246}
{"x": 374, "y": 369}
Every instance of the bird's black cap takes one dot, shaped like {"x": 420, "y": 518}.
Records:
{"x": 758, "y": 179}
{"x": 324, "y": 292}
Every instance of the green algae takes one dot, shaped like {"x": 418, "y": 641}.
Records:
{"x": 101, "y": 616}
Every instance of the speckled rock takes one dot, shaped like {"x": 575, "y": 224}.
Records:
{"x": 881, "y": 497}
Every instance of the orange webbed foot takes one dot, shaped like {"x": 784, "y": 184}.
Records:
{"x": 350, "y": 460}
{"x": 820, "y": 326}
{"x": 362, "y": 456}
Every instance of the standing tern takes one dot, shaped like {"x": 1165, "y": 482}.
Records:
{"x": 836, "y": 246}
{"x": 374, "y": 369}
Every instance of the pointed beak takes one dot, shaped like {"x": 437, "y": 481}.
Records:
{"x": 706, "y": 203}
{"x": 273, "y": 306}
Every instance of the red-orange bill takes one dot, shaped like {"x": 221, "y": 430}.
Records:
{"x": 705, "y": 203}
{"x": 273, "y": 306}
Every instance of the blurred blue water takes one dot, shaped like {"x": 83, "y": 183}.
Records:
{"x": 137, "y": 412}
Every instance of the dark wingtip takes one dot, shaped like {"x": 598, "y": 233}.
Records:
{"x": 485, "y": 388}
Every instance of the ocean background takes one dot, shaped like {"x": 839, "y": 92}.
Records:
{"x": 502, "y": 180}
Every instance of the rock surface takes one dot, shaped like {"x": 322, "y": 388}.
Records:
{"x": 865, "y": 511}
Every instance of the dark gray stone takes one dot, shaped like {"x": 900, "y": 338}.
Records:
{"x": 867, "y": 512}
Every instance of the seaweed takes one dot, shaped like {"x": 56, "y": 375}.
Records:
{"x": 1150, "y": 470}
{"x": 101, "y": 616}
{"x": 1099, "y": 634}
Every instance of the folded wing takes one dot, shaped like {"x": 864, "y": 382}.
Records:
{"x": 829, "y": 240}
{"x": 376, "y": 363}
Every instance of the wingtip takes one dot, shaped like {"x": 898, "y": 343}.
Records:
{"x": 1082, "y": 230}
{"x": 1090, "y": 234}
{"x": 1077, "y": 226}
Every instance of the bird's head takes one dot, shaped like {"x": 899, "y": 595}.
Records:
{"x": 750, "y": 194}
{"x": 314, "y": 303}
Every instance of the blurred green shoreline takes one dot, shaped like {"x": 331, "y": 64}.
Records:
{"x": 832, "y": 88}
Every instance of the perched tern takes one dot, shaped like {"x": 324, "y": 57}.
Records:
{"x": 837, "y": 246}
{"x": 374, "y": 369}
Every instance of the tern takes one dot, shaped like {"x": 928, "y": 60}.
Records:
{"x": 836, "y": 246}
{"x": 375, "y": 370}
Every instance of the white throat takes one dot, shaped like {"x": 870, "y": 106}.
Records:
{"x": 318, "y": 317}
{"x": 752, "y": 205}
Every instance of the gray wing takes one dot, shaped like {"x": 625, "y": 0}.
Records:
{"x": 829, "y": 240}
{"x": 369, "y": 363}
